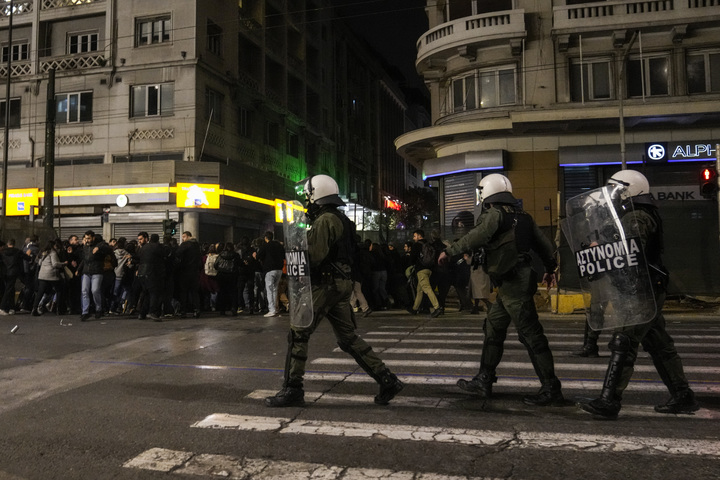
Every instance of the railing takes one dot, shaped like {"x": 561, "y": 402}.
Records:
{"x": 16, "y": 69}
{"x": 48, "y": 4}
{"x": 74, "y": 62}
{"x": 475, "y": 29}
{"x": 19, "y": 8}
{"x": 616, "y": 14}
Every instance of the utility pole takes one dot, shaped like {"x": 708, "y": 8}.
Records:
{"x": 621, "y": 98}
{"x": 49, "y": 201}
{"x": 6, "y": 145}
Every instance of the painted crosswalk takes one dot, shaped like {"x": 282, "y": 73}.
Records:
{"x": 437, "y": 356}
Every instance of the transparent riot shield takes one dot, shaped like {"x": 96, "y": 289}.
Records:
{"x": 298, "y": 264}
{"x": 610, "y": 259}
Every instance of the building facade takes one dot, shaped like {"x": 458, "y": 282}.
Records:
{"x": 205, "y": 112}
{"x": 559, "y": 94}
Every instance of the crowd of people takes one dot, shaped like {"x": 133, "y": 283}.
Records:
{"x": 150, "y": 277}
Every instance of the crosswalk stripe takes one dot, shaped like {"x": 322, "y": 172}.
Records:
{"x": 508, "y": 439}
{"x": 465, "y": 334}
{"x": 402, "y": 401}
{"x": 591, "y": 385}
{"x": 574, "y": 367}
{"x": 227, "y": 466}
{"x": 510, "y": 343}
{"x": 476, "y": 352}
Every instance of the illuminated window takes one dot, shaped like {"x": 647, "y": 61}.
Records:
{"x": 483, "y": 89}
{"x": 152, "y": 100}
{"x": 150, "y": 31}
{"x": 73, "y": 107}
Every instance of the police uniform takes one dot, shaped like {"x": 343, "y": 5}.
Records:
{"x": 645, "y": 223}
{"x": 330, "y": 250}
{"x": 507, "y": 234}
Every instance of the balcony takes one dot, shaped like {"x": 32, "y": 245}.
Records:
{"x": 19, "y": 8}
{"x": 74, "y": 62}
{"x": 628, "y": 14}
{"x": 49, "y": 4}
{"x": 468, "y": 33}
{"x": 16, "y": 69}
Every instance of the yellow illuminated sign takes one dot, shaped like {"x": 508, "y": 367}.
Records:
{"x": 197, "y": 195}
{"x": 20, "y": 201}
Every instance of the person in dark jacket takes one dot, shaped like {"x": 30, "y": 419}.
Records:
{"x": 91, "y": 270}
{"x": 227, "y": 265}
{"x": 189, "y": 255}
{"x": 151, "y": 257}
{"x": 12, "y": 263}
{"x": 271, "y": 255}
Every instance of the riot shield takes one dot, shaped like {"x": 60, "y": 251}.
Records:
{"x": 604, "y": 239}
{"x": 298, "y": 264}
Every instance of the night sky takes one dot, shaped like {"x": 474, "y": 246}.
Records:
{"x": 391, "y": 28}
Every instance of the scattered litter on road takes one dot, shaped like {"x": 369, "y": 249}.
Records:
{"x": 14, "y": 329}
{"x": 65, "y": 324}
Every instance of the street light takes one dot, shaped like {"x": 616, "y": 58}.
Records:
{"x": 7, "y": 117}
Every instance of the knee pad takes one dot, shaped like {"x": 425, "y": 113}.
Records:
{"x": 620, "y": 343}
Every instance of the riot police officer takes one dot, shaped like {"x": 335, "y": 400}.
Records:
{"x": 507, "y": 233}
{"x": 640, "y": 217}
{"x": 331, "y": 244}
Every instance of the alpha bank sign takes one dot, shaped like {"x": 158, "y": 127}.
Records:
{"x": 670, "y": 152}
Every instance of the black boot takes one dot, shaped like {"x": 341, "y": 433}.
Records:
{"x": 389, "y": 387}
{"x": 588, "y": 350}
{"x": 550, "y": 394}
{"x": 480, "y": 384}
{"x": 607, "y": 406}
{"x": 682, "y": 401}
{"x": 287, "y": 397}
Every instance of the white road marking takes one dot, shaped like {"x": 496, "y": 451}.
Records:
{"x": 449, "y": 364}
{"x": 568, "y": 384}
{"x": 445, "y": 403}
{"x": 226, "y": 466}
{"x": 506, "y": 439}
{"x": 465, "y": 334}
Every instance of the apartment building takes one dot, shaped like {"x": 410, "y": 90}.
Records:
{"x": 206, "y": 112}
{"x": 558, "y": 94}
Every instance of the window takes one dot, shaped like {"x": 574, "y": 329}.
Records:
{"x": 152, "y": 100}
{"x": 213, "y": 105}
{"x": 483, "y": 89}
{"x": 149, "y": 31}
{"x": 214, "y": 38}
{"x": 272, "y": 134}
{"x": 20, "y": 51}
{"x": 648, "y": 77}
{"x": 595, "y": 83}
{"x": 82, "y": 43}
{"x": 14, "y": 113}
{"x": 703, "y": 72}
{"x": 73, "y": 107}
{"x": 292, "y": 144}
{"x": 244, "y": 122}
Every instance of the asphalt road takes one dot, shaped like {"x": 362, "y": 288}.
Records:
{"x": 123, "y": 398}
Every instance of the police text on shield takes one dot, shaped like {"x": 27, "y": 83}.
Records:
{"x": 607, "y": 257}
{"x": 297, "y": 264}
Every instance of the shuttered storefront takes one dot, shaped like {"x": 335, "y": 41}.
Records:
{"x": 459, "y": 195}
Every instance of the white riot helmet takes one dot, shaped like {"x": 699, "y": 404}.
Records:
{"x": 322, "y": 190}
{"x": 493, "y": 184}
{"x": 634, "y": 181}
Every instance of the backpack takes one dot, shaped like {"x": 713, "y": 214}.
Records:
{"x": 225, "y": 264}
{"x": 428, "y": 255}
{"x": 210, "y": 270}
